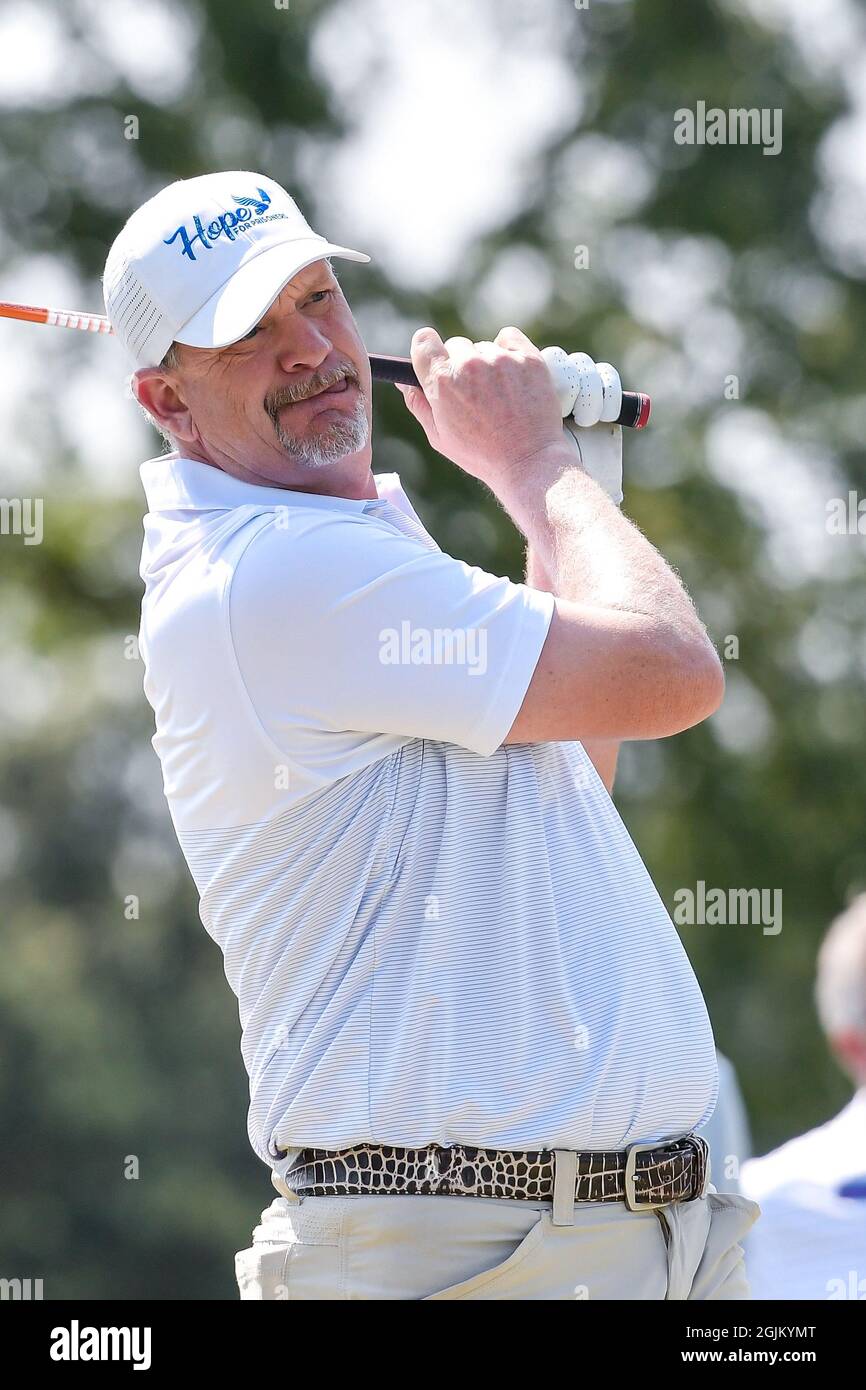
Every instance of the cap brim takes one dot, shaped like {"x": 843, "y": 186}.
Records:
{"x": 237, "y": 306}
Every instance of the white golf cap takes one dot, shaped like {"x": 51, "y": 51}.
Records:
{"x": 203, "y": 260}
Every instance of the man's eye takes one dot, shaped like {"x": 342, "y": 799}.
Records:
{"x": 252, "y": 333}
{"x": 320, "y": 294}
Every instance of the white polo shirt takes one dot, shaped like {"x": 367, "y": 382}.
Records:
{"x": 432, "y": 938}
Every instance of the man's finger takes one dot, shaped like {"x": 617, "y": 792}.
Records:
{"x": 428, "y": 353}
{"x": 514, "y": 338}
{"x": 458, "y": 349}
{"x": 418, "y": 405}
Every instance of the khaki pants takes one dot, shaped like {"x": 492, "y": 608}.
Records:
{"x": 328, "y": 1248}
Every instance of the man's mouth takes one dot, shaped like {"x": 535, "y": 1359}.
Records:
{"x": 337, "y": 388}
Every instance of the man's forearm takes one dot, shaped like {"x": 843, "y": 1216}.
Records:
{"x": 626, "y": 645}
{"x": 602, "y": 753}
{"x": 590, "y": 552}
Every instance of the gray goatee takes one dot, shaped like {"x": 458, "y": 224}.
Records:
{"x": 322, "y": 445}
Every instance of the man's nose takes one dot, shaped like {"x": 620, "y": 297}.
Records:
{"x": 303, "y": 346}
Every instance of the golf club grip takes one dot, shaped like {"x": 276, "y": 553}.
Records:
{"x": 634, "y": 413}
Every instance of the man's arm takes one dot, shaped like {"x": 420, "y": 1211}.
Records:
{"x": 602, "y": 753}
{"x": 625, "y": 656}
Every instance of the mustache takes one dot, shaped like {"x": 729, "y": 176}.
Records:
{"x": 301, "y": 391}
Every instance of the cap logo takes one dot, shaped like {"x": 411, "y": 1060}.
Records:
{"x": 247, "y": 213}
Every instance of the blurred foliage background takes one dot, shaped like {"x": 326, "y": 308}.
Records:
{"x": 727, "y": 282}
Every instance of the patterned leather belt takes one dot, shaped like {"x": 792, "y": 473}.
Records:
{"x": 643, "y": 1175}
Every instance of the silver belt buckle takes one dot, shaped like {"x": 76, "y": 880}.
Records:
{"x": 701, "y": 1151}
{"x": 631, "y": 1199}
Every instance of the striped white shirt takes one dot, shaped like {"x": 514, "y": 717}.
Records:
{"x": 433, "y": 938}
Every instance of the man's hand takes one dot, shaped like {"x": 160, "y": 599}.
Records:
{"x": 491, "y": 408}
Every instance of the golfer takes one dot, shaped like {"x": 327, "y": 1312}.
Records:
{"x": 477, "y": 1052}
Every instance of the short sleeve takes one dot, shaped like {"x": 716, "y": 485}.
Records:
{"x": 340, "y": 622}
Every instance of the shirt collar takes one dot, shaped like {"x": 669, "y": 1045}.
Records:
{"x": 172, "y": 483}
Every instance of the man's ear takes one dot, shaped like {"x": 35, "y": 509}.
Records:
{"x": 158, "y": 393}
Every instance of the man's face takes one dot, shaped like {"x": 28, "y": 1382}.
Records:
{"x": 261, "y": 409}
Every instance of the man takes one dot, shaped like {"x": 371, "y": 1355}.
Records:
{"x": 811, "y": 1242}
{"x": 463, "y": 1004}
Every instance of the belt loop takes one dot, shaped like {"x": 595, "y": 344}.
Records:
{"x": 564, "y": 1180}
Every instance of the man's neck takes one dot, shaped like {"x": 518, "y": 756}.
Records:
{"x": 348, "y": 477}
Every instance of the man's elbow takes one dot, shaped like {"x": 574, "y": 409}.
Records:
{"x": 696, "y": 686}
{"x": 670, "y": 682}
